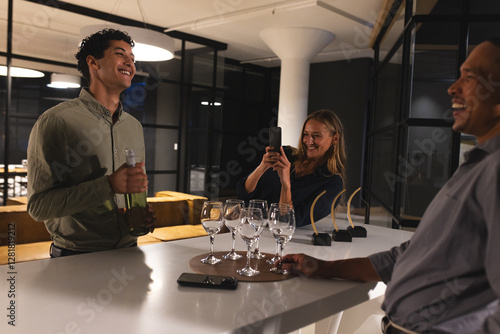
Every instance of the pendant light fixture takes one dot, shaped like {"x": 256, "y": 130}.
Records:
{"x": 64, "y": 81}
{"x": 20, "y": 72}
{"x": 150, "y": 45}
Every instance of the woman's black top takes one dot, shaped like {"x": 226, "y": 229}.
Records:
{"x": 304, "y": 190}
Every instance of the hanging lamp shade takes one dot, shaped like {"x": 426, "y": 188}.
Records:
{"x": 64, "y": 81}
{"x": 20, "y": 72}
{"x": 150, "y": 45}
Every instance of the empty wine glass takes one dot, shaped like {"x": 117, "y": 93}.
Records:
{"x": 282, "y": 226}
{"x": 250, "y": 227}
{"x": 260, "y": 204}
{"x": 232, "y": 212}
{"x": 211, "y": 219}
{"x": 272, "y": 212}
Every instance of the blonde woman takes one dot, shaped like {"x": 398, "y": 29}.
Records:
{"x": 298, "y": 176}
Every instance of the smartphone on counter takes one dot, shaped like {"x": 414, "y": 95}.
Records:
{"x": 275, "y": 138}
{"x": 208, "y": 281}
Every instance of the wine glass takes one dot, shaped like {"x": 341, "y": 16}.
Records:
{"x": 282, "y": 226}
{"x": 211, "y": 219}
{"x": 232, "y": 212}
{"x": 250, "y": 227}
{"x": 272, "y": 212}
{"x": 260, "y": 204}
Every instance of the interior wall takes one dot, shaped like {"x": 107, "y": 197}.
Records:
{"x": 343, "y": 87}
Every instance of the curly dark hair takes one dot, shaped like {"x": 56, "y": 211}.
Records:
{"x": 96, "y": 44}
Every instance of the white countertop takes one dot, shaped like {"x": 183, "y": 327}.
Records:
{"x": 135, "y": 291}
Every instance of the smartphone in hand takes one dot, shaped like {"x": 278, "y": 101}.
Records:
{"x": 275, "y": 138}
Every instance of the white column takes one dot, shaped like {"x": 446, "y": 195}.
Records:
{"x": 295, "y": 47}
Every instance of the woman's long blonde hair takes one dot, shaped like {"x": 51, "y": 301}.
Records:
{"x": 335, "y": 157}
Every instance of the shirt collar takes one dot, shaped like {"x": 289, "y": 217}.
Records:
{"x": 97, "y": 108}
{"x": 483, "y": 149}
{"x": 491, "y": 145}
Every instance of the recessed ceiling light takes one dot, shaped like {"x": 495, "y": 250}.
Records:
{"x": 215, "y": 104}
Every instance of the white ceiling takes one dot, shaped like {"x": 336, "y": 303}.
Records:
{"x": 52, "y": 34}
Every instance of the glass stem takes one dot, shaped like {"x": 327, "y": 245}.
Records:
{"x": 249, "y": 254}
{"x": 277, "y": 249}
{"x": 233, "y": 239}
{"x": 280, "y": 255}
{"x": 256, "y": 245}
{"x": 212, "y": 238}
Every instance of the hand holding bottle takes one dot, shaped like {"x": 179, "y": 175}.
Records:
{"x": 129, "y": 180}
{"x": 136, "y": 201}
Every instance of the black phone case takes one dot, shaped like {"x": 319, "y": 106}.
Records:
{"x": 275, "y": 138}
{"x": 208, "y": 281}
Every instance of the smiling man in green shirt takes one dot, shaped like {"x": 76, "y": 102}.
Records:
{"x": 77, "y": 175}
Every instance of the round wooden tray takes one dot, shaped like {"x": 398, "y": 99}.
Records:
{"x": 229, "y": 267}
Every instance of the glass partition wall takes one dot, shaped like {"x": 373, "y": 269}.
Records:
{"x": 412, "y": 149}
{"x": 191, "y": 107}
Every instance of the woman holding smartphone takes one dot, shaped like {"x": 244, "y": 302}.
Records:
{"x": 298, "y": 176}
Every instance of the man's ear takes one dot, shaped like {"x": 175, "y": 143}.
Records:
{"x": 92, "y": 62}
